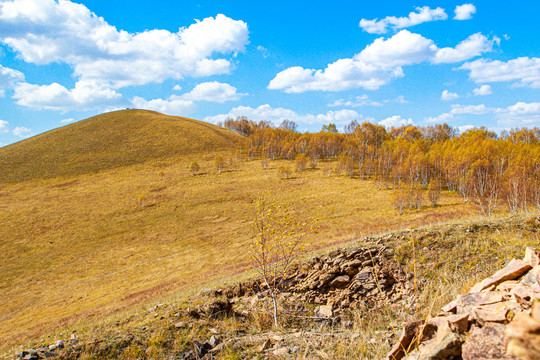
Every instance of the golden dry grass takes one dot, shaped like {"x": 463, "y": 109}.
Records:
{"x": 76, "y": 244}
{"x": 110, "y": 140}
{"x": 84, "y": 246}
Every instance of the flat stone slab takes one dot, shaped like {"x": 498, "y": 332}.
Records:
{"x": 459, "y": 323}
{"x": 513, "y": 270}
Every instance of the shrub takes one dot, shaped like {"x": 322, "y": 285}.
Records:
{"x": 194, "y": 167}
{"x": 284, "y": 172}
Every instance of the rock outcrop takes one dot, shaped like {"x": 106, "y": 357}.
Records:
{"x": 499, "y": 318}
{"x": 339, "y": 281}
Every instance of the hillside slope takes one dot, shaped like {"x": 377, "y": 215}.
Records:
{"x": 350, "y": 303}
{"x": 108, "y": 141}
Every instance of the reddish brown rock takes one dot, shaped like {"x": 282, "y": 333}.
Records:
{"x": 532, "y": 277}
{"x": 456, "y": 323}
{"x": 340, "y": 281}
{"x": 401, "y": 348}
{"x": 494, "y": 312}
{"x": 532, "y": 256}
{"x": 412, "y": 332}
{"x": 486, "y": 343}
{"x": 524, "y": 335}
{"x": 512, "y": 271}
{"x": 325, "y": 311}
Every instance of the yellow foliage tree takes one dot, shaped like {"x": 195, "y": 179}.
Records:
{"x": 220, "y": 163}
{"x": 301, "y": 162}
{"x": 284, "y": 172}
{"x": 194, "y": 167}
{"x": 277, "y": 242}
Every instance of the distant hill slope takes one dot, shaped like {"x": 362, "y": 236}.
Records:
{"x": 110, "y": 140}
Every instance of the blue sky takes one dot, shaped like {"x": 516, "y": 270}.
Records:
{"x": 389, "y": 62}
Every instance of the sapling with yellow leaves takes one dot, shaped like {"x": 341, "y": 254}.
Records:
{"x": 278, "y": 240}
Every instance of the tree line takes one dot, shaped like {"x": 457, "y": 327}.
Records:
{"x": 479, "y": 165}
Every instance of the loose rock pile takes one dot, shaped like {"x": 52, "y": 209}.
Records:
{"x": 367, "y": 278}
{"x": 498, "y": 319}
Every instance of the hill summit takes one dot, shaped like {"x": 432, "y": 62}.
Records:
{"x": 111, "y": 140}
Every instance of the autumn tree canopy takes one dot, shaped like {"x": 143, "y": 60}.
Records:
{"x": 482, "y": 167}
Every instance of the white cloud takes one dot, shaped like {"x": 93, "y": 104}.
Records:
{"x": 404, "y": 48}
{"x": 4, "y": 126}
{"x": 395, "y": 121}
{"x": 67, "y": 121}
{"x": 277, "y": 115}
{"x": 174, "y": 105}
{"x": 401, "y": 99}
{"x": 377, "y": 64}
{"x": 46, "y": 31}
{"x": 442, "y": 118}
{"x": 177, "y": 88}
{"x": 524, "y": 69}
{"x": 482, "y": 90}
{"x": 22, "y": 132}
{"x": 186, "y": 103}
{"x": 464, "y": 12}
{"x": 264, "y": 51}
{"x": 521, "y": 114}
{"x": 213, "y": 91}
{"x": 8, "y": 77}
{"x": 447, "y": 95}
{"x": 457, "y": 109}
{"x": 358, "y": 101}
{"x": 470, "y": 109}
{"x": 474, "y": 45}
{"x": 464, "y": 128}
{"x": 422, "y": 15}
{"x": 86, "y": 95}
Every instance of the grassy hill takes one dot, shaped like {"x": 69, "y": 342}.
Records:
{"x": 108, "y": 141}
{"x": 77, "y": 245}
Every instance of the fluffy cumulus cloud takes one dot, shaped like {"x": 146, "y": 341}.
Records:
{"x": 518, "y": 115}
{"x": 378, "y": 63}
{"x": 470, "y": 109}
{"x": 46, "y": 31}
{"x": 422, "y": 15}
{"x": 8, "y": 78}
{"x": 4, "y": 126}
{"x": 86, "y": 95}
{"x": 458, "y": 109}
{"x": 474, "y": 45}
{"x": 186, "y": 103}
{"x": 277, "y": 115}
{"x": 174, "y": 105}
{"x": 395, "y": 121}
{"x": 447, "y": 95}
{"x": 482, "y": 90}
{"x": 524, "y": 71}
{"x": 358, "y": 101}
{"x": 213, "y": 91}
{"x": 464, "y": 12}
{"x": 22, "y": 132}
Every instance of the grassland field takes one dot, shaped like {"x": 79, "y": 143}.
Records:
{"x": 94, "y": 227}
{"x": 79, "y": 248}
